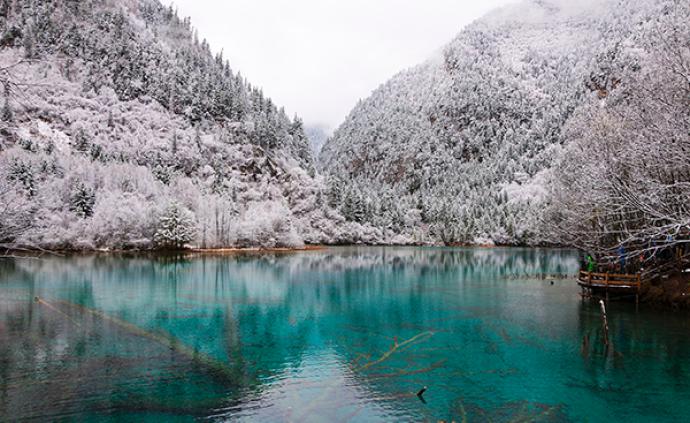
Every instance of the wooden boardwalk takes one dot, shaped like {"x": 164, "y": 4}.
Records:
{"x": 610, "y": 282}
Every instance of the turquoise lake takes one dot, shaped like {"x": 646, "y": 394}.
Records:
{"x": 339, "y": 335}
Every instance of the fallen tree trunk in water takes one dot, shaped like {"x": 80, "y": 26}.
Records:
{"x": 215, "y": 368}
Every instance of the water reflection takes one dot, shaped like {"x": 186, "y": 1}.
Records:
{"x": 345, "y": 334}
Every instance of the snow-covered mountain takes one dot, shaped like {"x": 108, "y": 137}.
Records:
{"x": 120, "y": 129}
{"x": 460, "y": 148}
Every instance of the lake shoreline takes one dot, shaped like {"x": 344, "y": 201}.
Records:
{"x": 28, "y": 252}
{"x": 38, "y": 252}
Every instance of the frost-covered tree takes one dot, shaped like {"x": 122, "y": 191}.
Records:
{"x": 176, "y": 227}
{"x": 5, "y": 9}
{"x": 485, "y": 119}
{"x": 22, "y": 173}
{"x": 625, "y": 178}
{"x": 120, "y": 96}
{"x": 81, "y": 141}
{"x": 7, "y": 115}
{"x": 456, "y": 150}
{"x": 82, "y": 200}
{"x": 29, "y": 43}
{"x": 16, "y": 212}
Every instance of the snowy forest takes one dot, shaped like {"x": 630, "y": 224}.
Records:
{"x": 120, "y": 129}
{"x": 545, "y": 122}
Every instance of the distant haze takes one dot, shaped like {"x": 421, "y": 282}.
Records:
{"x": 318, "y": 57}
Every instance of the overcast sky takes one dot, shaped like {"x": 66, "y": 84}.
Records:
{"x": 318, "y": 57}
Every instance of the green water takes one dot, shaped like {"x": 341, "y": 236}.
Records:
{"x": 346, "y": 334}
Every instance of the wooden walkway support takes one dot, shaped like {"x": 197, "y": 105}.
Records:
{"x": 618, "y": 283}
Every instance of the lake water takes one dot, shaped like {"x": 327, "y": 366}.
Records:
{"x": 345, "y": 334}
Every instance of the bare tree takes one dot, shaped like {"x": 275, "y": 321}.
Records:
{"x": 16, "y": 208}
{"x": 625, "y": 180}
{"x": 15, "y": 213}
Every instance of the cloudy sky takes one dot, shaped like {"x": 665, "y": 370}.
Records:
{"x": 318, "y": 57}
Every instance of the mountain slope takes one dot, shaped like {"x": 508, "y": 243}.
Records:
{"x": 459, "y": 148}
{"x": 120, "y": 129}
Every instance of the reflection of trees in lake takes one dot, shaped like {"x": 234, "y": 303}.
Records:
{"x": 502, "y": 261}
{"x": 270, "y": 318}
{"x": 648, "y": 351}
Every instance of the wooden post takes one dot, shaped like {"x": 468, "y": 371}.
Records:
{"x": 589, "y": 284}
{"x": 606, "y": 283}
{"x": 637, "y": 294}
{"x": 605, "y": 323}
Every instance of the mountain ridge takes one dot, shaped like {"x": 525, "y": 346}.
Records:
{"x": 458, "y": 150}
{"x": 119, "y": 122}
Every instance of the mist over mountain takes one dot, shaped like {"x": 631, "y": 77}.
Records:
{"x": 317, "y": 136}
{"x": 461, "y": 148}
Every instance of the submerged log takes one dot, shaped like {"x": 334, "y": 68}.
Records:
{"x": 213, "y": 367}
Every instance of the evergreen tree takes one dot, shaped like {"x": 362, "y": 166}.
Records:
{"x": 162, "y": 172}
{"x": 176, "y": 227}
{"x": 353, "y": 207}
{"x": 29, "y": 44}
{"x": 7, "y": 115}
{"x": 197, "y": 137}
{"x": 5, "y": 9}
{"x": 334, "y": 195}
{"x": 82, "y": 200}
{"x": 68, "y": 68}
{"x": 96, "y": 152}
{"x": 81, "y": 141}
{"x": 173, "y": 145}
{"x": 22, "y": 173}
{"x": 218, "y": 184}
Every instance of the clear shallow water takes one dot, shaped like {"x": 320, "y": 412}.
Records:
{"x": 347, "y": 334}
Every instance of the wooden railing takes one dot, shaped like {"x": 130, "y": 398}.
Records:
{"x": 612, "y": 280}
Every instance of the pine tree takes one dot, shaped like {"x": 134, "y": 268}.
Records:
{"x": 172, "y": 99}
{"x": 7, "y": 115}
{"x": 82, "y": 200}
{"x": 162, "y": 172}
{"x": 358, "y": 208}
{"x": 218, "y": 184}
{"x": 353, "y": 207}
{"x": 5, "y": 9}
{"x": 22, "y": 173}
{"x": 176, "y": 228}
{"x": 96, "y": 152}
{"x": 68, "y": 69}
{"x": 29, "y": 47}
{"x": 81, "y": 142}
{"x": 174, "y": 143}
{"x": 334, "y": 193}
{"x": 197, "y": 137}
